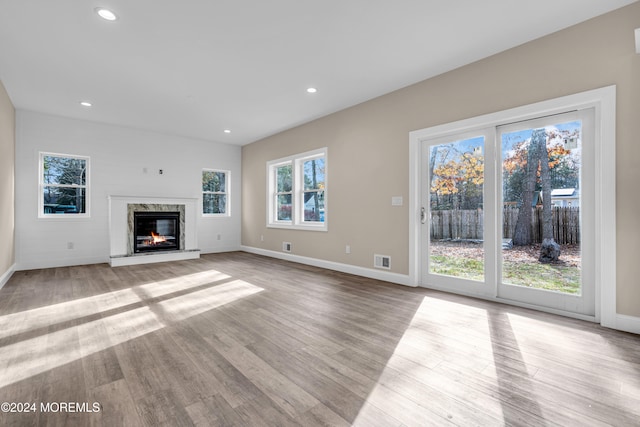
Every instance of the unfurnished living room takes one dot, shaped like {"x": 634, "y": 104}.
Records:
{"x": 281, "y": 213}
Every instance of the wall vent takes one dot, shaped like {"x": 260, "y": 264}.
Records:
{"x": 286, "y": 246}
{"x": 382, "y": 261}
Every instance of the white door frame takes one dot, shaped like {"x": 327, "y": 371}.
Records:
{"x": 603, "y": 100}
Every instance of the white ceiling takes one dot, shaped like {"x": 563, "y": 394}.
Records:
{"x": 197, "y": 67}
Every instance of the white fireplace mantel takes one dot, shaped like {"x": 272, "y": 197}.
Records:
{"x": 119, "y": 248}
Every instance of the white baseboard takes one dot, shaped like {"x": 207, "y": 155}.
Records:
{"x": 60, "y": 263}
{"x": 401, "y": 279}
{"x": 217, "y": 250}
{"x": 627, "y": 323}
{"x": 7, "y": 275}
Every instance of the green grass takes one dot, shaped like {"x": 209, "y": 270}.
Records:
{"x": 533, "y": 275}
{"x": 543, "y": 276}
{"x": 465, "y": 268}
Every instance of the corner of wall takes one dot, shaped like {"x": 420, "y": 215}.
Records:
{"x": 7, "y": 185}
{"x": 7, "y": 275}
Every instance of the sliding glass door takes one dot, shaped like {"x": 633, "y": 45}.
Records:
{"x": 507, "y": 212}
{"x": 456, "y": 212}
{"x": 547, "y": 210}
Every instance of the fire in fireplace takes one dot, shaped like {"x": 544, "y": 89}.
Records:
{"x": 156, "y": 231}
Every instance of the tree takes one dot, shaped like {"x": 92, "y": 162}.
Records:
{"x": 547, "y": 226}
{"x": 538, "y": 164}
{"x": 472, "y": 181}
{"x": 214, "y": 188}
{"x": 284, "y": 187}
{"x": 314, "y": 188}
{"x": 64, "y": 181}
{"x": 522, "y": 235}
{"x": 456, "y": 183}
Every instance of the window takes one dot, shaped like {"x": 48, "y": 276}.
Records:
{"x": 297, "y": 191}
{"x": 64, "y": 185}
{"x": 215, "y": 193}
{"x": 284, "y": 191}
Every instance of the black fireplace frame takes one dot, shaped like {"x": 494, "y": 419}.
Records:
{"x": 156, "y": 215}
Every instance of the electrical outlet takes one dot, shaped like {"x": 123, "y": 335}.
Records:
{"x": 347, "y": 249}
{"x": 219, "y": 236}
{"x": 69, "y": 245}
{"x": 262, "y": 237}
{"x": 286, "y": 246}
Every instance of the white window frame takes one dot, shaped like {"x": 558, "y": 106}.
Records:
{"x": 297, "y": 221}
{"x": 42, "y": 185}
{"x": 227, "y": 193}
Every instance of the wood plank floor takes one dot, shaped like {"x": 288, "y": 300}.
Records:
{"x": 241, "y": 340}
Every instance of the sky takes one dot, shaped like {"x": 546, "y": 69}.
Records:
{"x": 511, "y": 138}
{"x": 508, "y": 140}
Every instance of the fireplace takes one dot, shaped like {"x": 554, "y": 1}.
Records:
{"x": 156, "y": 231}
{"x": 123, "y": 239}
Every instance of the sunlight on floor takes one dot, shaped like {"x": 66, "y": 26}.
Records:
{"x": 34, "y": 356}
{"x": 164, "y": 287}
{"x": 29, "y": 320}
{"x": 415, "y": 384}
{"x": 29, "y": 357}
{"x": 194, "y": 303}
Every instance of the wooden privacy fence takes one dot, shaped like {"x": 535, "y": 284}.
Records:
{"x": 457, "y": 224}
{"x": 468, "y": 224}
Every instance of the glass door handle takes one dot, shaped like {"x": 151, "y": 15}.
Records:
{"x": 423, "y": 215}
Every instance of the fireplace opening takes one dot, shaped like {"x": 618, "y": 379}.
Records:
{"x": 156, "y": 231}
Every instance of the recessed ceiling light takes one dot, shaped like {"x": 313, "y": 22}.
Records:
{"x": 312, "y": 90}
{"x": 227, "y": 131}
{"x": 85, "y": 104}
{"x": 106, "y": 14}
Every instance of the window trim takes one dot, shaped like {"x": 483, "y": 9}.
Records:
{"x": 227, "y": 193}
{"x": 297, "y": 221}
{"x": 42, "y": 185}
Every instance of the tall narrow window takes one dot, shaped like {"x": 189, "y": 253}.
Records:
{"x": 297, "y": 191}
{"x": 64, "y": 185}
{"x": 284, "y": 192}
{"x": 215, "y": 193}
{"x": 313, "y": 175}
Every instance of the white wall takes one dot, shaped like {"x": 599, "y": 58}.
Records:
{"x": 118, "y": 157}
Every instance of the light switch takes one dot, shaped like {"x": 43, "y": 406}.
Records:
{"x": 396, "y": 201}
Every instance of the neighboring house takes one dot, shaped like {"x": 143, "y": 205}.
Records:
{"x": 560, "y": 197}
{"x": 310, "y": 213}
{"x": 564, "y": 197}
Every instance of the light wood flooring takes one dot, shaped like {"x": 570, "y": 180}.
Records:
{"x": 241, "y": 340}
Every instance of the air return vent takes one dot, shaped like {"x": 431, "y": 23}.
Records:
{"x": 382, "y": 261}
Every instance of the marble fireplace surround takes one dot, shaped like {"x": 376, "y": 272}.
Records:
{"x": 121, "y": 209}
{"x": 152, "y": 207}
